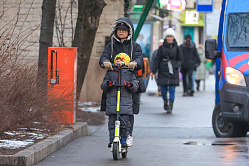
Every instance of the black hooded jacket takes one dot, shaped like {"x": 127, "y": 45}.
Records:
{"x": 168, "y": 53}
{"x": 127, "y": 46}
{"x": 191, "y": 57}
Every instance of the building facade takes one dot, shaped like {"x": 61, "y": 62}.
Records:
{"x": 20, "y": 23}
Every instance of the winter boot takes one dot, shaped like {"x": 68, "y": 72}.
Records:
{"x": 165, "y": 106}
{"x": 170, "y": 107}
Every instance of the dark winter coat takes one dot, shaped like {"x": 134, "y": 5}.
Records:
{"x": 126, "y": 93}
{"x": 168, "y": 53}
{"x": 152, "y": 59}
{"x": 128, "y": 46}
{"x": 191, "y": 58}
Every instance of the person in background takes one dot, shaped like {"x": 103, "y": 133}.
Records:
{"x": 121, "y": 42}
{"x": 191, "y": 60}
{"x": 152, "y": 58}
{"x": 167, "y": 62}
{"x": 193, "y": 74}
{"x": 140, "y": 42}
{"x": 201, "y": 70}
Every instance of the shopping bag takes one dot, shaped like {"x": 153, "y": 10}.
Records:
{"x": 152, "y": 87}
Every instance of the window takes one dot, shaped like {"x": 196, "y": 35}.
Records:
{"x": 238, "y": 31}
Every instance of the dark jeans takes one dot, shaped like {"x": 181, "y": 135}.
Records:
{"x": 125, "y": 126}
{"x": 164, "y": 91}
{"x": 187, "y": 79}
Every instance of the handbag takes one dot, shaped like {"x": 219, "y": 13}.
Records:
{"x": 152, "y": 87}
{"x": 141, "y": 85}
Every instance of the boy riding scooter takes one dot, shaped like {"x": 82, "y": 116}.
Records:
{"x": 122, "y": 32}
{"x": 129, "y": 85}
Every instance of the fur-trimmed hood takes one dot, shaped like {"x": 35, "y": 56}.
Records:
{"x": 128, "y": 22}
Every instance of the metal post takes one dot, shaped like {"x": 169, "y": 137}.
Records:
{"x": 142, "y": 19}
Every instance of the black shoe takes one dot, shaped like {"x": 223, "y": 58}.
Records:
{"x": 109, "y": 145}
{"x": 123, "y": 145}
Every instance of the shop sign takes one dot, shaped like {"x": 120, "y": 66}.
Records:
{"x": 177, "y": 5}
{"x": 192, "y": 18}
{"x": 204, "y": 5}
{"x": 174, "y": 5}
{"x": 166, "y": 26}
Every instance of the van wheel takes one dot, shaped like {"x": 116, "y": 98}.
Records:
{"x": 223, "y": 128}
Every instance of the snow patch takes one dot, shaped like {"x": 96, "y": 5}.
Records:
{"x": 10, "y": 144}
{"x": 15, "y": 144}
{"x": 87, "y": 106}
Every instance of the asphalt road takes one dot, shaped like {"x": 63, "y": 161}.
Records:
{"x": 184, "y": 138}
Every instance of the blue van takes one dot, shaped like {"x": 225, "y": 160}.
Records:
{"x": 231, "y": 113}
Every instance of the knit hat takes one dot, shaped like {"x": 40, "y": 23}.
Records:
{"x": 122, "y": 25}
{"x": 169, "y": 31}
{"x": 187, "y": 36}
{"x": 125, "y": 58}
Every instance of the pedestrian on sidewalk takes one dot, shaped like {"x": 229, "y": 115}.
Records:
{"x": 201, "y": 70}
{"x": 191, "y": 61}
{"x": 122, "y": 32}
{"x": 152, "y": 59}
{"x": 167, "y": 62}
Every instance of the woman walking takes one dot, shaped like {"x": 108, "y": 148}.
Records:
{"x": 201, "y": 70}
{"x": 167, "y": 62}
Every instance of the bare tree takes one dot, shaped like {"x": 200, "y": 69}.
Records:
{"x": 61, "y": 17}
{"x": 20, "y": 104}
{"x": 89, "y": 12}
{"x": 46, "y": 40}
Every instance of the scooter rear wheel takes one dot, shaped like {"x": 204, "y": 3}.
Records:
{"x": 115, "y": 151}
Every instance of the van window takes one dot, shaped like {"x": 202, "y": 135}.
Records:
{"x": 238, "y": 31}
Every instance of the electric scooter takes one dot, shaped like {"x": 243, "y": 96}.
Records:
{"x": 116, "y": 147}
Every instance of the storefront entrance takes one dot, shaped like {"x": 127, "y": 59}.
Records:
{"x": 189, "y": 30}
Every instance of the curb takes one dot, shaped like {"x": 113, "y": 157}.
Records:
{"x": 43, "y": 149}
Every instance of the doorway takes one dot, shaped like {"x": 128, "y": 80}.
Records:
{"x": 189, "y": 30}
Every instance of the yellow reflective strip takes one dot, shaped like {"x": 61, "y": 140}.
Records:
{"x": 116, "y": 132}
{"x": 118, "y": 101}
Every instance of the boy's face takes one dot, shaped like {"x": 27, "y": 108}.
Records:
{"x": 118, "y": 61}
{"x": 122, "y": 33}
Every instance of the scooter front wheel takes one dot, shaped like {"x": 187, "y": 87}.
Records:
{"x": 115, "y": 150}
{"x": 124, "y": 154}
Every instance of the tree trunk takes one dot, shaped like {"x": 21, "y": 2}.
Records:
{"x": 46, "y": 40}
{"x": 89, "y": 12}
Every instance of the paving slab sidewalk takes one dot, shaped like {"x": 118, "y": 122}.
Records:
{"x": 42, "y": 149}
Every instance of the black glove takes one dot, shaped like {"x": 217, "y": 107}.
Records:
{"x": 109, "y": 83}
{"x": 129, "y": 84}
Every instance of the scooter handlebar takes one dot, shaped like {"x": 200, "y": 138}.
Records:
{"x": 123, "y": 66}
